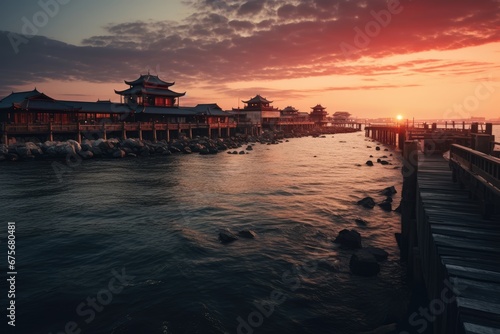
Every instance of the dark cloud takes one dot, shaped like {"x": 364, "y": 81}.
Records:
{"x": 251, "y": 8}
{"x": 224, "y": 41}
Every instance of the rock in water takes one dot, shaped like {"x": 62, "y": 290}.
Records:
{"x": 22, "y": 151}
{"x": 4, "y": 149}
{"x": 12, "y": 157}
{"x": 226, "y": 236}
{"x": 386, "y": 205}
{"x": 118, "y": 154}
{"x": 367, "y": 202}
{"x": 369, "y": 163}
{"x": 351, "y": 239}
{"x": 389, "y": 191}
{"x": 364, "y": 263}
{"x": 379, "y": 253}
{"x": 360, "y": 221}
{"x": 249, "y": 234}
{"x": 133, "y": 143}
{"x": 86, "y": 154}
{"x": 76, "y": 145}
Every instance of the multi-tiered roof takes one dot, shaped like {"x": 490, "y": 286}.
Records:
{"x": 259, "y": 103}
{"x": 150, "y": 90}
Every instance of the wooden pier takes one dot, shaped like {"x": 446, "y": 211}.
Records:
{"x": 450, "y": 236}
{"x": 450, "y": 223}
{"x": 456, "y": 246}
{"x": 434, "y": 138}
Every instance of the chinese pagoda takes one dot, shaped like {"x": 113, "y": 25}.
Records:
{"x": 258, "y": 110}
{"x": 150, "y": 90}
{"x": 318, "y": 115}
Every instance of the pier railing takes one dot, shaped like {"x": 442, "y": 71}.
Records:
{"x": 485, "y": 168}
{"x": 436, "y": 139}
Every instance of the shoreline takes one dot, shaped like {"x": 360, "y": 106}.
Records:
{"x": 115, "y": 148}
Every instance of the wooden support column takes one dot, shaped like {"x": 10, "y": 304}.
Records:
{"x": 483, "y": 143}
{"x": 401, "y": 138}
{"x": 489, "y": 128}
{"x": 104, "y": 134}
{"x": 220, "y": 130}
{"x": 140, "y": 131}
{"x": 51, "y": 134}
{"x": 78, "y": 133}
{"x": 124, "y": 131}
{"x": 190, "y": 131}
{"x": 155, "y": 135}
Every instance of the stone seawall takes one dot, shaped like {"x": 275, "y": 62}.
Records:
{"x": 116, "y": 148}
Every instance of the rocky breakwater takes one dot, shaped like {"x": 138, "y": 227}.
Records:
{"x": 117, "y": 149}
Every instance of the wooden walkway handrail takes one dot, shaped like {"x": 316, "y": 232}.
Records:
{"x": 477, "y": 163}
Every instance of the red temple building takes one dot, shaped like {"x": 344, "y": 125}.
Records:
{"x": 147, "y": 105}
{"x": 150, "y": 90}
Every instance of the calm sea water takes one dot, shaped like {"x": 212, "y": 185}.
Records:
{"x": 156, "y": 220}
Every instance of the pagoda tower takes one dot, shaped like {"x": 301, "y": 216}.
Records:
{"x": 258, "y": 110}
{"x": 259, "y": 103}
{"x": 150, "y": 90}
{"x": 318, "y": 115}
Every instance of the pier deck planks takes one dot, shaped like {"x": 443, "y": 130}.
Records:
{"x": 458, "y": 245}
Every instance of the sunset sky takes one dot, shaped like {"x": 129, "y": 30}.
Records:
{"x": 418, "y": 58}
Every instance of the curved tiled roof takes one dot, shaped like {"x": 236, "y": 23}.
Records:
{"x": 138, "y": 90}
{"x": 16, "y": 98}
{"x": 149, "y": 79}
{"x": 258, "y": 99}
{"x": 290, "y": 109}
{"x": 319, "y": 106}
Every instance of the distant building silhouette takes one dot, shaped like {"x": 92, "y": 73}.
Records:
{"x": 318, "y": 115}
{"x": 258, "y": 110}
